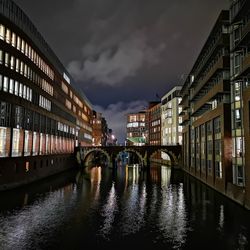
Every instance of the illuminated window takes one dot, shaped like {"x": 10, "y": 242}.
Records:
{"x": 13, "y": 39}
{"x": 20, "y": 89}
{"x": 15, "y": 142}
{"x": 5, "y": 84}
{"x": 18, "y": 43}
{"x": 17, "y": 65}
{"x": 12, "y": 62}
{"x": 7, "y": 38}
{"x": 34, "y": 144}
{"x": 3, "y": 133}
{"x": 6, "y": 59}
{"x": 16, "y": 87}
{"x": 2, "y": 32}
{"x": 1, "y": 57}
{"x": 11, "y": 87}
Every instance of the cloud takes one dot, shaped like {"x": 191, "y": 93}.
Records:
{"x": 116, "y": 115}
{"x": 112, "y": 66}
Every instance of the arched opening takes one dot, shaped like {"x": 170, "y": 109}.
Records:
{"x": 163, "y": 157}
{"x": 129, "y": 157}
{"x": 96, "y": 157}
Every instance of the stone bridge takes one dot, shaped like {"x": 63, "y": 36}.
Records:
{"x": 144, "y": 153}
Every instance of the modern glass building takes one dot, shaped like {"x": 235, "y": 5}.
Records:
{"x": 43, "y": 116}
{"x": 171, "y": 131}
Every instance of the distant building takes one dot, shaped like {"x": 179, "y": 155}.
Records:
{"x": 97, "y": 129}
{"x": 136, "y": 129}
{"x": 154, "y": 123}
{"x": 111, "y": 138}
{"x": 171, "y": 131}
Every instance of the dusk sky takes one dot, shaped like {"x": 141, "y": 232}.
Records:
{"x": 123, "y": 53}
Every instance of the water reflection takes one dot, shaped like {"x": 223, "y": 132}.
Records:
{"x": 158, "y": 209}
{"x": 108, "y": 212}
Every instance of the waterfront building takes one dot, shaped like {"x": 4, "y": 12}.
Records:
{"x": 136, "y": 129}
{"x": 100, "y": 130}
{"x": 240, "y": 97}
{"x": 171, "y": 131}
{"x": 154, "y": 123}
{"x": 206, "y": 115}
{"x": 43, "y": 116}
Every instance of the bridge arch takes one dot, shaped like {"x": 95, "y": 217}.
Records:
{"x": 91, "y": 150}
{"x": 172, "y": 156}
{"x": 132, "y": 151}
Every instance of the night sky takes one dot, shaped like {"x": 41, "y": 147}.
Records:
{"x": 123, "y": 53}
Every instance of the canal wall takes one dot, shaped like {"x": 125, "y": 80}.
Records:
{"x": 235, "y": 193}
{"x": 19, "y": 171}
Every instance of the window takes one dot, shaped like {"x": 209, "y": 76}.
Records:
{"x": 5, "y": 84}
{"x": 1, "y": 57}
{"x": 15, "y": 142}
{"x": 2, "y": 32}
{"x": 13, "y": 39}
{"x": 3, "y": 133}
{"x": 237, "y": 113}
{"x": 6, "y": 59}
{"x": 8, "y": 36}
{"x": 218, "y": 169}
{"x": 11, "y": 89}
{"x": 238, "y": 174}
{"x": 18, "y": 43}
{"x": 16, "y": 87}
{"x": 12, "y": 62}
{"x": 26, "y": 143}
{"x": 217, "y": 125}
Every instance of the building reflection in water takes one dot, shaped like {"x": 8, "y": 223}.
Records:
{"x": 95, "y": 179}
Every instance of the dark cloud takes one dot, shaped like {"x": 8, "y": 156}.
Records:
{"x": 125, "y": 50}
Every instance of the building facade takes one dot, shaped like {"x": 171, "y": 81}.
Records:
{"x": 240, "y": 97}
{"x": 171, "y": 131}
{"x": 136, "y": 129}
{"x": 206, "y": 111}
{"x": 100, "y": 129}
{"x": 153, "y": 124}
{"x": 43, "y": 116}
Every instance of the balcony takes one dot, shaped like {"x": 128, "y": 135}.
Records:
{"x": 185, "y": 103}
{"x": 221, "y": 87}
{"x": 222, "y": 63}
{"x": 244, "y": 37}
{"x": 245, "y": 65}
{"x": 223, "y": 41}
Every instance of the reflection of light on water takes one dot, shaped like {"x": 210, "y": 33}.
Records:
{"x": 95, "y": 179}
{"x": 134, "y": 209}
{"x": 108, "y": 212}
{"x": 165, "y": 176}
{"x": 221, "y": 218}
{"x": 172, "y": 219}
{"x": 34, "y": 224}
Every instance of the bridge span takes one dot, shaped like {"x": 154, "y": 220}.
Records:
{"x": 144, "y": 153}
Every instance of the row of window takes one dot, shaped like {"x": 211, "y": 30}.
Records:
{"x": 32, "y": 143}
{"x": 20, "y": 44}
{"x": 22, "y": 68}
{"x": 14, "y": 87}
{"x": 44, "y": 103}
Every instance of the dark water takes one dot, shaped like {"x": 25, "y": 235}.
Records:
{"x": 126, "y": 208}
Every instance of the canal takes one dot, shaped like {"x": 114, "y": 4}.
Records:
{"x": 100, "y": 209}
